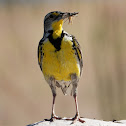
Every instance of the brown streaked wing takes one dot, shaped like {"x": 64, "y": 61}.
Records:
{"x": 76, "y": 46}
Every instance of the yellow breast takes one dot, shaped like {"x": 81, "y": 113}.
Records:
{"x": 60, "y": 64}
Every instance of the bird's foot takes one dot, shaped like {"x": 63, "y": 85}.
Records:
{"x": 54, "y": 117}
{"x": 76, "y": 118}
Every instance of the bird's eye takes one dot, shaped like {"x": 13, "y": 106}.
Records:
{"x": 51, "y": 16}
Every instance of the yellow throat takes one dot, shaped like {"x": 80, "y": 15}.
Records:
{"x": 57, "y": 28}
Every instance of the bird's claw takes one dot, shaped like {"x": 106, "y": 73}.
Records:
{"x": 76, "y": 118}
{"x": 53, "y": 118}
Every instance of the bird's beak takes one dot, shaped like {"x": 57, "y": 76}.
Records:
{"x": 68, "y": 15}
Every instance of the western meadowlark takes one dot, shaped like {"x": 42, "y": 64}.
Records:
{"x": 60, "y": 58}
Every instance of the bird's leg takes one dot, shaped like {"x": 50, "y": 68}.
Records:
{"x": 53, "y": 116}
{"x": 53, "y": 106}
{"x": 74, "y": 79}
{"x": 77, "y": 116}
{"x": 76, "y": 104}
{"x": 52, "y": 85}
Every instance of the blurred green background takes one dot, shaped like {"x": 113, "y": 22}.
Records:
{"x": 100, "y": 28}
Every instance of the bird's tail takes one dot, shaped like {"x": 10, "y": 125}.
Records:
{"x": 67, "y": 89}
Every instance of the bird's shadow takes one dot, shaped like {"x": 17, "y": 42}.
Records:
{"x": 35, "y": 123}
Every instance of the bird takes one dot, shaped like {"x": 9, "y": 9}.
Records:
{"x": 60, "y": 59}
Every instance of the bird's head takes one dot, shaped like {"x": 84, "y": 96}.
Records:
{"x": 54, "y": 20}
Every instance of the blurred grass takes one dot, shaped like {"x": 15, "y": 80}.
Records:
{"x": 100, "y": 28}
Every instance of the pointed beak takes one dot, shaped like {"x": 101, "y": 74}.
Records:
{"x": 67, "y": 14}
